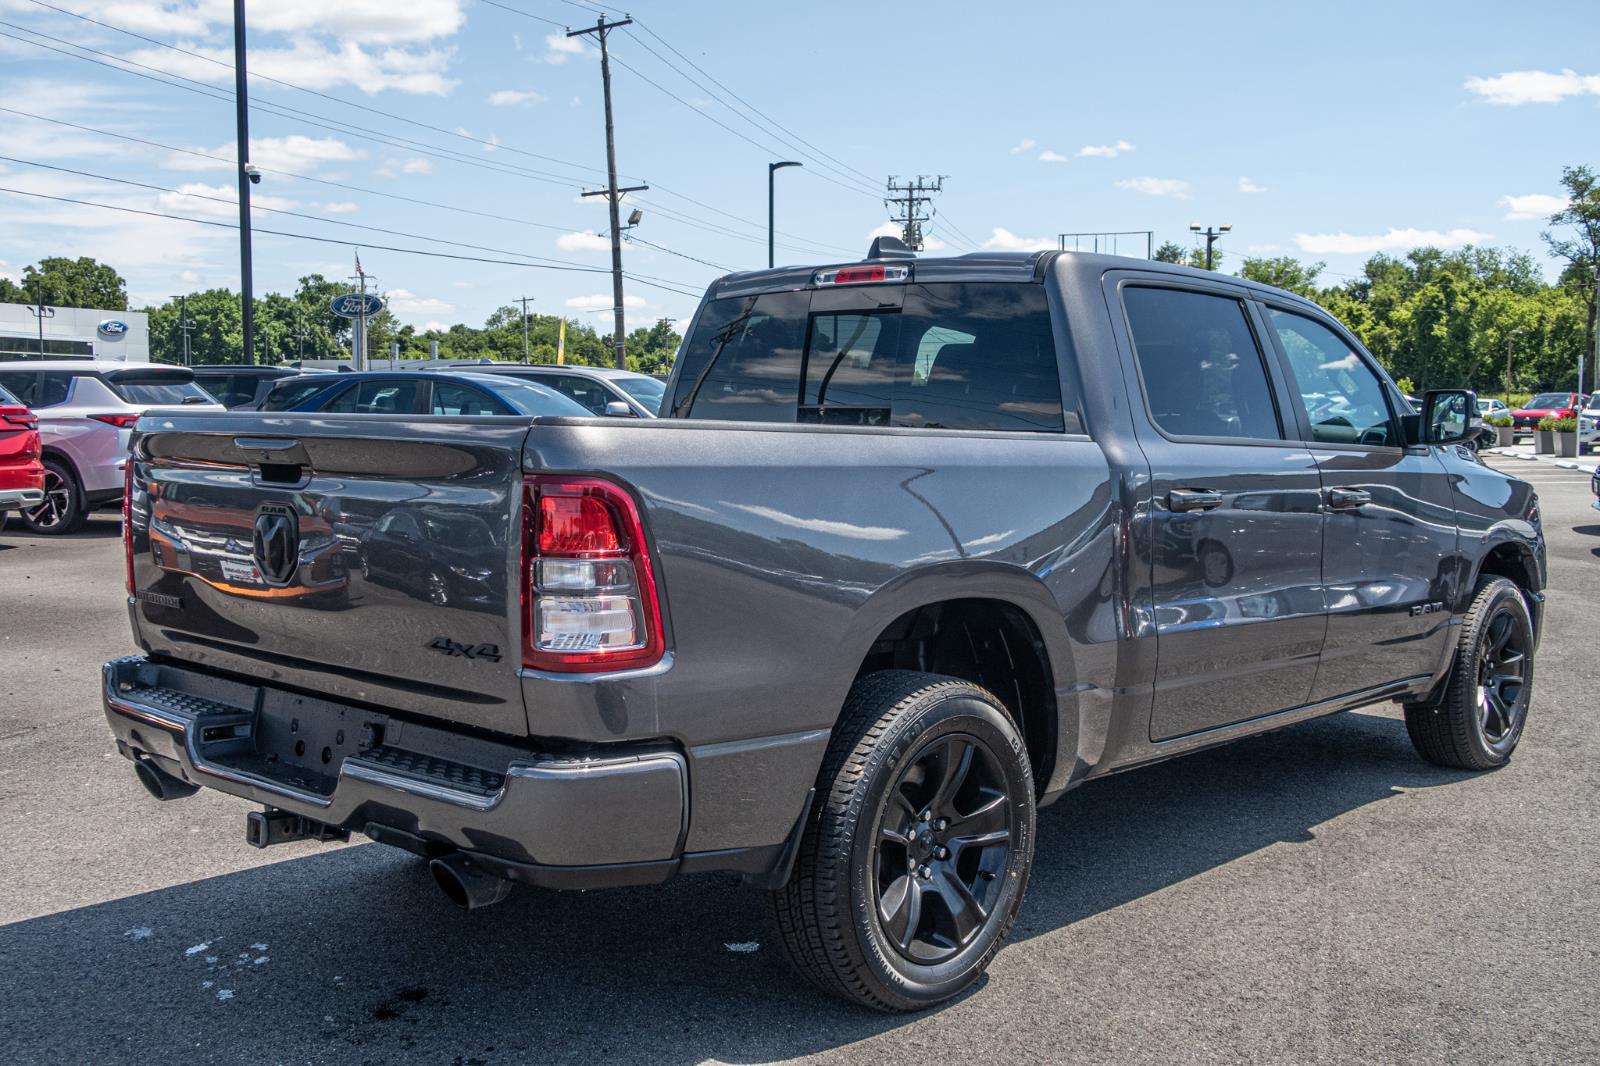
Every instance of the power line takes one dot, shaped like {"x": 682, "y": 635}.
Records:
{"x": 642, "y": 279}
{"x": 636, "y": 239}
{"x": 643, "y": 26}
{"x": 348, "y": 129}
{"x": 317, "y": 93}
{"x": 778, "y": 131}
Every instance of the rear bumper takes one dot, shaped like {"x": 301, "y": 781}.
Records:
{"x": 612, "y": 816}
{"x": 20, "y": 499}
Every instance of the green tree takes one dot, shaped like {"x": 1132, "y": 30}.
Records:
{"x": 1285, "y": 272}
{"x": 1581, "y": 246}
{"x": 1171, "y": 252}
{"x": 217, "y": 335}
{"x": 62, "y": 282}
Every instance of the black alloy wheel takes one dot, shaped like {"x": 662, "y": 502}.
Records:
{"x": 944, "y": 842}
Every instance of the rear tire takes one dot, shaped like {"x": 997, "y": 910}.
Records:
{"x": 1477, "y": 717}
{"x": 63, "y": 510}
{"x": 913, "y": 866}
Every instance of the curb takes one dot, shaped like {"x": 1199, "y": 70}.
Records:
{"x": 1565, "y": 464}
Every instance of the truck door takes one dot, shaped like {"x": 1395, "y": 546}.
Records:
{"x": 1390, "y": 532}
{"x": 1234, "y": 530}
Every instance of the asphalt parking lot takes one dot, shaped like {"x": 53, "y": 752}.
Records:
{"x": 1318, "y": 894}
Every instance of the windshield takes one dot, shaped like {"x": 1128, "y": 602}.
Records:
{"x": 647, "y": 391}
{"x": 531, "y": 399}
{"x": 1549, "y": 400}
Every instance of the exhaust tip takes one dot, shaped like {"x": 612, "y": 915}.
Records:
{"x": 465, "y": 885}
{"x": 159, "y": 783}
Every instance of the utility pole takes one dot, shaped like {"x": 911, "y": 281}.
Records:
{"x": 525, "y": 300}
{"x": 184, "y": 326}
{"x": 773, "y": 168}
{"x": 1211, "y": 236}
{"x": 613, "y": 195}
{"x": 906, "y": 208}
{"x": 1510, "y": 339}
{"x": 41, "y": 312}
{"x": 247, "y": 176}
{"x": 358, "y": 337}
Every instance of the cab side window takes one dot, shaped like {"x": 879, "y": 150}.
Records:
{"x": 1342, "y": 397}
{"x": 586, "y": 391}
{"x": 1203, "y": 371}
{"x": 384, "y": 396}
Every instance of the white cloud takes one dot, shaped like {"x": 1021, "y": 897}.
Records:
{"x": 416, "y": 165}
{"x": 1105, "y": 151}
{"x": 1023, "y": 145}
{"x": 216, "y": 201}
{"x": 364, "y": 21}
{"x": 1389, "y": 241}
{"x": 1047, "y": 156}
{"x": 1247, "y": 186}
{"x": 559, "y": 48}
{"x": 406, "y": 302}
{"x": 513, "y": 97}
{"x": 602, "y": 301}
{"x": 930, "y": 243}
{"x": 294, "y": 153}
{"x": 1534, "y": 205}
{"x": 1156, "y": 186}
{"x": 315, "y": 65}
{"x": 340, "y": 207}
{"x": 1003, "y": 240}
{"x": 586, "y": 241}
{"x": 1516, "y": 87}
{"x": 434, "y": 326}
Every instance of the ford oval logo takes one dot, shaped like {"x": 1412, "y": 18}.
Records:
{"x": 112, "y": 327}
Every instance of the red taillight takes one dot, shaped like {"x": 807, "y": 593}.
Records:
{"x": 861, "y": 275}
{"x": 589, "y": 590}
{"x": 120, "y": 421}
{"x": 127, "y": 522}
{"x": 576, "y": 525}
{"x": 19, "y": 416}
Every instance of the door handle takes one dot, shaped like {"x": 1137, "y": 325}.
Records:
{"x": 1193, "y": 500}
{"x": 1348, "y": 499}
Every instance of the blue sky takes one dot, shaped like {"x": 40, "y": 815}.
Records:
{"x": 1323, "y": 131}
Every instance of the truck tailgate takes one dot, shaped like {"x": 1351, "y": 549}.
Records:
{"x": 364, "y": 557}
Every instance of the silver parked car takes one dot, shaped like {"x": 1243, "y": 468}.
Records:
{"x": 86, "y": 414}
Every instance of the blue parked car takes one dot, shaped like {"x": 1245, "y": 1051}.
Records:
{"x": 411, "y": 392}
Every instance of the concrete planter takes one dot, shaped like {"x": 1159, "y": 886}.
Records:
{"x": 1504, "y": 436}
{"x": 1568, "y": 444}
{"x": 1544, "y": 442}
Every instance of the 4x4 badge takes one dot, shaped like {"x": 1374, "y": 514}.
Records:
{"x": 486, "y": 652}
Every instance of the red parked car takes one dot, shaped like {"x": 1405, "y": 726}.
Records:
{"x": 21, "y": 472}
{"x": 1547, "y": 405}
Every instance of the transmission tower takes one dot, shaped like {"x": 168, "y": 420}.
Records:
{"x": 906, "y": 200}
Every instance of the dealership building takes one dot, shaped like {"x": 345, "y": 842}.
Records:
{"x": 74, "y": 333}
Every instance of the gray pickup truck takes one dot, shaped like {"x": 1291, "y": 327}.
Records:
{"x": 917, "y": 546}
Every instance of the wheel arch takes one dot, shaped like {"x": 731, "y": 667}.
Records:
{"x": 990, "y": 623}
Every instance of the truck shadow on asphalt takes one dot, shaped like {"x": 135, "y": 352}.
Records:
{"x": 353, "y": 955}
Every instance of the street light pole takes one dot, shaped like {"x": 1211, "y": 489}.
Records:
{"x": 772, "y": 169}
{"x": 41, "y": 312}
{"x": 525, "y": 328}
{"x": 1510, "y": 339}
{"x": 248, "y": 174}
{"x": 1211, "y": 236}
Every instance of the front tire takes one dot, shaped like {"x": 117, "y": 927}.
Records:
{"x": 1477, "y": 718}
{"x": 912, "y": 869}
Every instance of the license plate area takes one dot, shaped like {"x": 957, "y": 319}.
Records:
{"x": 295, "y": 741}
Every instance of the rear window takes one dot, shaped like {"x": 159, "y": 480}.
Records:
{"x": 977, "y": 356}
{"x": 287, "y": 395}
{"x": 533, "y": 398}
{"x": 146, "y": 387}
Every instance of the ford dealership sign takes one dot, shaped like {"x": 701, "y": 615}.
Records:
{"x": 112, "y": 327}
{"x": 357, "y": 305}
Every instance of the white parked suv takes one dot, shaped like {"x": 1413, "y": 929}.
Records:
{"x": 86, "y": 414}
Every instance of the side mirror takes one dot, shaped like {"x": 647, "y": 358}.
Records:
{"x": 618, "y": 409}
{"x": 1448, "y": 416}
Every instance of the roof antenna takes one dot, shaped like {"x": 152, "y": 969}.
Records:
{"x": 890, "y": 248}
